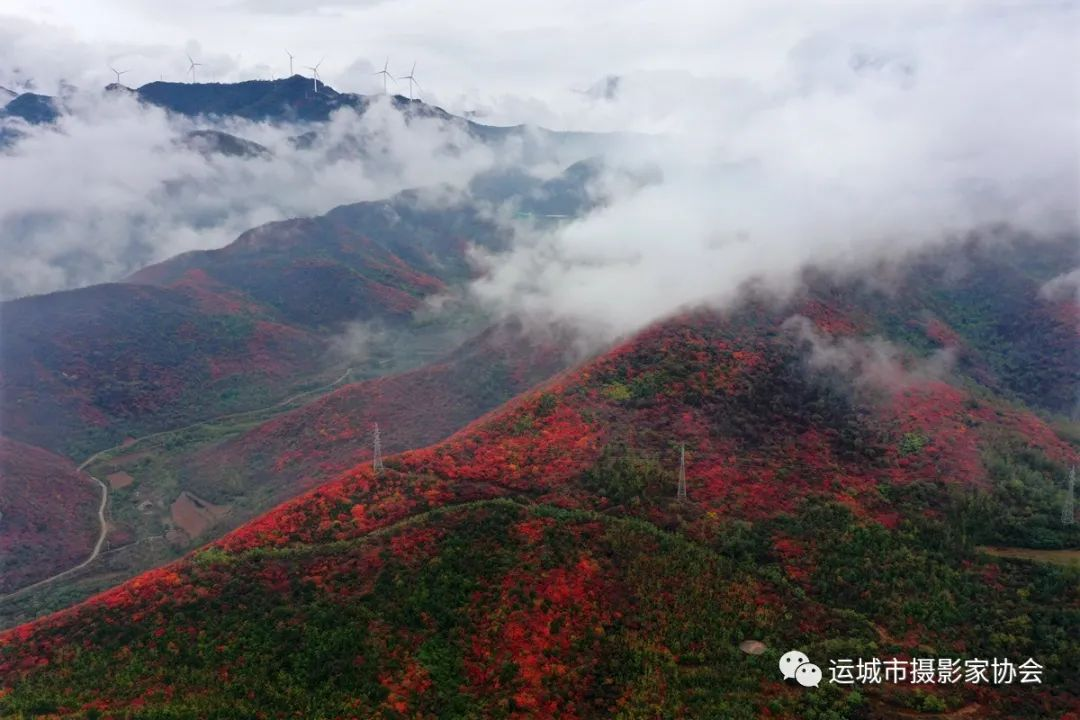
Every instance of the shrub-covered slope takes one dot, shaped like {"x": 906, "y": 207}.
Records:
{"x": 537, "y": 563}
{"x": 212, "y": 332}
{"x": 215, "y": 332}
{"x": 304, "y": 447}
{"x": 38, "y": 488}
{"x": 83, "y": 368}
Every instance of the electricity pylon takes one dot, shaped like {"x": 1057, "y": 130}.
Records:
{"x": 376, "y": 455}
{"x": 1068, "y": 509}
{"x": 680, "y": 494}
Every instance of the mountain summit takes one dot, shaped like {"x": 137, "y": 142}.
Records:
{"x": 841, "y": 483}
{"x": 290, "y": 99}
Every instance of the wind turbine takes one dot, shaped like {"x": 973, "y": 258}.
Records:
{"x": 118, "y": 73}
{"x": 192, "y": 67}
{"x": 315, "y": 73}
{"x": 290, "y": 61}
{"x": 386, "y": 74}
{"x": 411, "y": 80}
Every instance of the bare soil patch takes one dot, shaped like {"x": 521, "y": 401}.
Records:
{"x": 1066, "y": 558}
{"x": 194, "y": 515}
{"x": 119, "y": 480}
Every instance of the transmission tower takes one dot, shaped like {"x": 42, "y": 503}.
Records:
{"x": 376, "y": 454}
{"x": 680, "y": 494}
{"x": 1068, "y": 511}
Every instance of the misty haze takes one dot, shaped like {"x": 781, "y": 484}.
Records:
{"x": 393, "y": 359}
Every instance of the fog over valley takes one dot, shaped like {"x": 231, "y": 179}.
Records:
{"x": 853, "y": 143}
{"x": 587, "y": 360}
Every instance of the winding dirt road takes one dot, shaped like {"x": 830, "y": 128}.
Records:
{"x": 102, "y": 532}
{"x": 104, "y": 529}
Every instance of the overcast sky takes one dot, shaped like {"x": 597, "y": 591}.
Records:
{"x": 517, "y": 61}
{"x": 794, "y": 132}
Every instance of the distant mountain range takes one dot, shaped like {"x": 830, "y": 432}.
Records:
{"x": 288, "y": 100}
{"x": 251, "y": 316}
{"x": 873, "y": 467}
{"x": 292, "y": 99}
{"x": 33, "y": 108}
{"x": 216, "y": 142}
{"x": 217, "y": 332}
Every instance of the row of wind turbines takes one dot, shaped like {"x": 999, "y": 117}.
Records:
{"x": 385, "y": 72}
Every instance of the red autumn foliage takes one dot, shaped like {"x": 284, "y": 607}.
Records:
{"x": 266, "y": 354}
{"x": 546, "y": 643}
{"x": 762, "y": 435}
{"x": 406, "y": 685}
{"x": 942, "y": 334}
{"x": 414, "y": 544}
{"x": 955, "y": 426}
{"x": 212, "y": 296}
{"x": 831, "y": 318}
{"x": 941, "y": 414}
{"x": 49, "y": 514}
{"x": 532, "y": 530}
{"x": 414, "y": 409}
{"x": 793, "y": 555}
{"x": 542, "y": 442}
{"x": 558, "y": 449}
{"x": 131, "y": 355}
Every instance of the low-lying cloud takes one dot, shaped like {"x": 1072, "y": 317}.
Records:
{"x": 113, "y": 187}
{"x": 872, "y": 142}
{"x": 873, "y": 362}
{"x": 1064, "y": 287}
{"x": 821, "y": 133}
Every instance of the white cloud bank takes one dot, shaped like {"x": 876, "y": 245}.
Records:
{"x": 111, "y": 189}
{"x": 875, "y": 139}
{"x": 873, "y": 362}
{"x": 827, "y": 132}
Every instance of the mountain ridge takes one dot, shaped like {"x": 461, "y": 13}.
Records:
{"x": 277, "y": 294}
{"x": 287, "y": 100}
{"x": 35, "y": 488}
{"x": 834, "y": 508}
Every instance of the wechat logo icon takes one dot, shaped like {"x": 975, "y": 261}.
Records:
{"x": 795, "y": 664}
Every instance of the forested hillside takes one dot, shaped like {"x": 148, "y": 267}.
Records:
{"x": 844, "y": 466}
